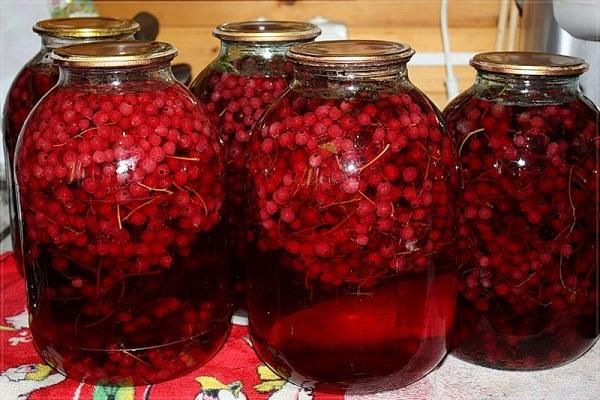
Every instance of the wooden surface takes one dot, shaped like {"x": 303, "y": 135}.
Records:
{"x": 188, "y": 25}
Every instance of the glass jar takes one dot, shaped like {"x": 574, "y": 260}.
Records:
{"x": 120, "y": 187}
{"x": 528, "y": 296}
{"x": 352, "y": 180}
{"x": 247, "y": 75}
{"x": 39, "y": 75}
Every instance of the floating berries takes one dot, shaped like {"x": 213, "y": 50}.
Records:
{"x": 235, "y": 101}
{"x": 351, "y": 225}
{"x": 340, "y": 180}
{"x": 528, "y": 235}
{"x": 121, "y": 194}
{"x": 27, "y": 89}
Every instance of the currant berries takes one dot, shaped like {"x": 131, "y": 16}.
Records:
{"x": 528, "y": 214}
{"x": 122, "y": 212}
{"x": 344, "y": 197}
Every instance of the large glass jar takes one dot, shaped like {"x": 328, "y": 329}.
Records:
{"x": 528, "y": 145}
{"x": 247, "y": 75}
{"x": 352, "y": 180}
{"x": 39, "y": 75}
{"x": 120, "y": 187}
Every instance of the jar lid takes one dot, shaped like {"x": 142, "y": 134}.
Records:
{"x": 355, "y": 53}
{"x": 529, "y": 63}
{"x": 266, "y": 31}
{"x": 86, "y": 27}
{"x": 114, "y": 53}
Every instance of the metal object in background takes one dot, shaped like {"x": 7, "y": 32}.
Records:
{"x": 148, "y": 26}
{"x": 183, "y": 73}
{"x": 540, "y": 32}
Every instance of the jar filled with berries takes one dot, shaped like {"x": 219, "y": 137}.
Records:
{"x": 39, "y": 75}
{"x": 247, "y": 75}
{"x": 528, "y": 146}
{"x": 120, "y": 182}
{"x": 352, "y": 184}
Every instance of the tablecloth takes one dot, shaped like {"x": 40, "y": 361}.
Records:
{"x": 235, "y": 373}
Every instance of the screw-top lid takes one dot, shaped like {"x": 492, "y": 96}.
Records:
{"x": 114, "y": 53}
{"x": 86, "y": 27}
{"x": 350, "y": 53}
{"x": 267, "y": 31}
{"x": 529, "y": 63}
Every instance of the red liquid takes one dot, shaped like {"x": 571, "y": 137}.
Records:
{"x": 121, "y": 198}
{"x": 398, "y": 328}
{"x": 352, "y": 197}
{"x": 235, "y": 102}
{"x": 27, "y": 89}
{"x": 529, "y": 295}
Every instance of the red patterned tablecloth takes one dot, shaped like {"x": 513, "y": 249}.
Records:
{"x": 235, "y": 373}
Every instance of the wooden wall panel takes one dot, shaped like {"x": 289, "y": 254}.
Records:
{"x": 188, "y": 25}
{"x": 373, "y": 13}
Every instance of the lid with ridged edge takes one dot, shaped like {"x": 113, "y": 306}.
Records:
{"x": 529, "y": 63}
{"x": 86, "y": 27}
{"x": 114, "y": 53}
{"x": 351, "y": 53}
{"x": 266, "y": 31}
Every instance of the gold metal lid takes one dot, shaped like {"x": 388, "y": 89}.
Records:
{"x": 86, "y": 27}
{"x": 355, "y": 53}
{"x": 114, "y": 53}
{"x": 267, "y": 31}
{"x": 529, "y": 63}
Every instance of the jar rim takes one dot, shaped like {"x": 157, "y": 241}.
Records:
{"x": 86, "y": 27}
{"x": 350, "y": 53}
{"x": 528, "y": 63}
{"x": 114, "y": 53}
{"x": 266, "y": 31}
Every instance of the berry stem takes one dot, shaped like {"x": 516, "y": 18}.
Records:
{"x": 367, "y": 198}
{"x": 135, "y": 357}
{"x": 377, "y": 157}
{"x": 467, "y": 136}
{"x": 80, "y": 134}
{"x": 571, "y": 201}
{"x": 101, "y": 320}
{"x": 199, "y": 197}
{"x": 339, "y": 203}
{"x": 119, "y": 216}
{"x": 137, "y": 208}
{"x": 184, "y": 158}
{"x": 154, "y": 189}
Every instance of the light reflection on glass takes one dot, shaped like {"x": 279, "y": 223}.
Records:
{"x": 125, "y": 165}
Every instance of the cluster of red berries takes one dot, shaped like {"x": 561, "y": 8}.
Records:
{"x": 349, "y": 191}
{"x": 235, "y": 101}
{"x": 528, "y": 225}
{"x": 27, "y": 89}
{"x": 121, "y": 199}
{"x": 132, "y": 362}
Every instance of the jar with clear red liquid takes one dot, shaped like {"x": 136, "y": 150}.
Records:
{"x": 248, "y": 74}
{"x": 528, "y": 146}
{"x": 120, "y": 187}
{"x": 352, "y": 184}
{"x": 39, "y": 75}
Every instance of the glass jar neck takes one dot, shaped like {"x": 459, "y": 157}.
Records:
{"x": 50, "y": 43}
{"x": 145, "y": 76}
{"x": 528, "y": 89}
{"x": 234, "y": 50}
{"x": 250, "y": 58}
{"x": 348, "y": 82}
